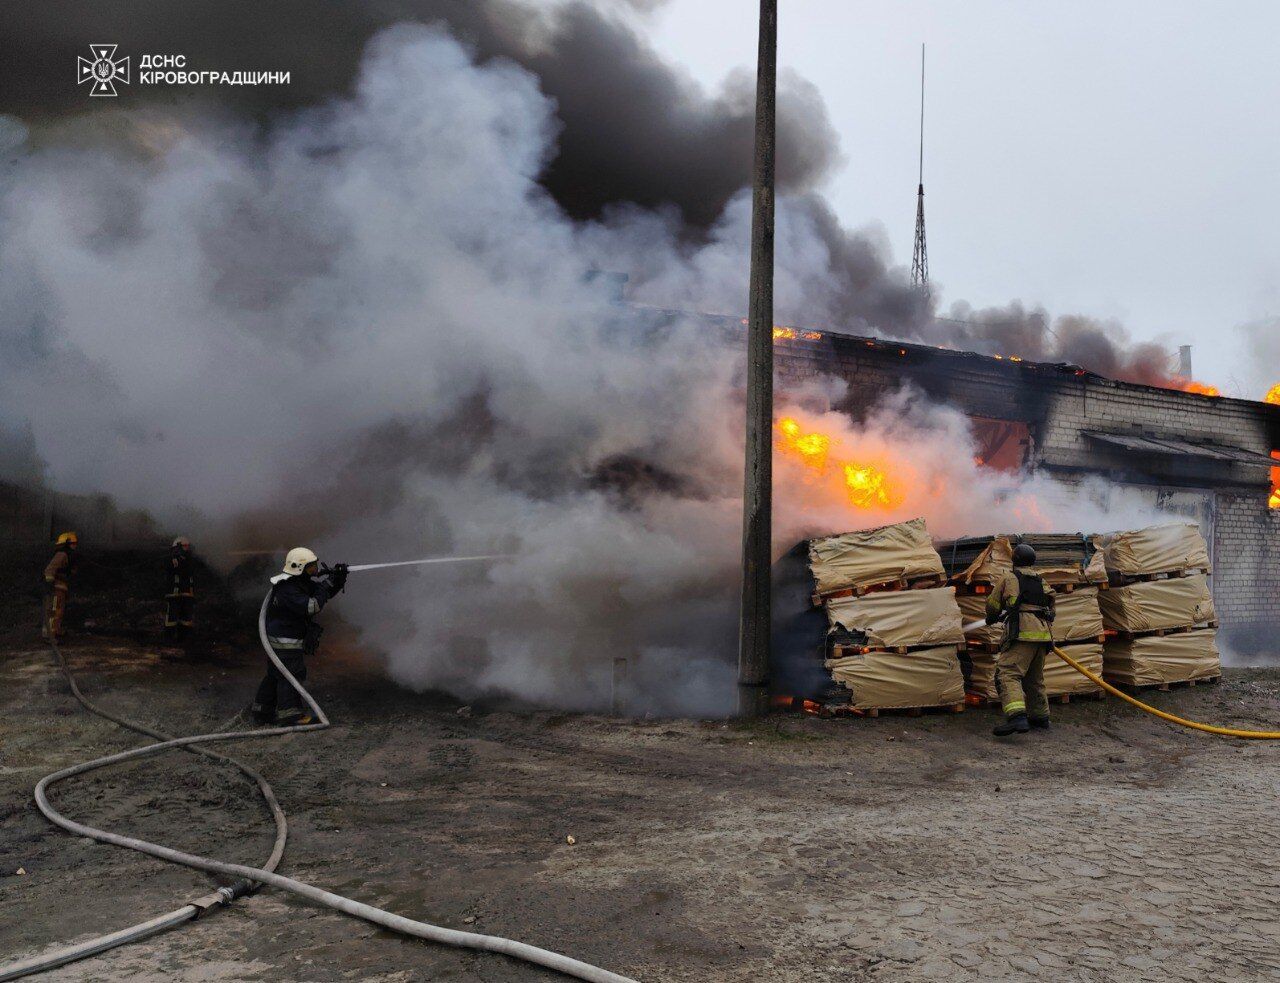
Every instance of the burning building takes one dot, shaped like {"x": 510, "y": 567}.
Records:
{"x": 1186, "y": 452}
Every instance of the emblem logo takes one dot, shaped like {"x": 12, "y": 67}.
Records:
{"x": 104, "y": 70}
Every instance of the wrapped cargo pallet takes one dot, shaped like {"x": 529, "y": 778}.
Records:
{"x": 902, "y": 551}
{"x": 1061, "y": 680}
{"x": 1079, "y": 617}
{"x": 1072, "y": 565}
{"x": 886, "y": 680}
{"x": 1155, "y": 550}
{"x": 1154, "y": 660}
{"x": 894, "y": 619}
{"x": 1155, "y": 605}
{"x": 1062, "y": 559}
{"x": 973, "y": 607}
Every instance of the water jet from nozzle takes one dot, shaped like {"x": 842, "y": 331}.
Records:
{"x": 433, "y": 559}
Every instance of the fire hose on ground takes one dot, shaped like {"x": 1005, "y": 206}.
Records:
{"x": 1254, "y": 735}
{"x": 251, "y": 878}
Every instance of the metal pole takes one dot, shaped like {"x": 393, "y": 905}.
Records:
{"x": 753, "y": 633}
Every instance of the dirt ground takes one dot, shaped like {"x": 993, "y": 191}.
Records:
{"x": 1115, "y": 847}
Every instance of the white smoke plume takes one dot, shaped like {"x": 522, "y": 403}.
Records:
{"x": 371, "y": 329}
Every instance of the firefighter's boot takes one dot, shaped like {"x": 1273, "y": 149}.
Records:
{"x": 1015, "y": 724}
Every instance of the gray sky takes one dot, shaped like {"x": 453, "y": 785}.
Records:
{"x": 1111, "y": 159}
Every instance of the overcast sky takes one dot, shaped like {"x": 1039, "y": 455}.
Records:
{"x": 1112, "y": 159}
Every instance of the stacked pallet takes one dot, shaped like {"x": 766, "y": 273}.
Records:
{"x": 893, "y": 627}
{"x": 1072, "y": 565}
{"x": 1159, "y": 616}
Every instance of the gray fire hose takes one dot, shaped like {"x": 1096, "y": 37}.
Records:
{"x": 264, "y": 875}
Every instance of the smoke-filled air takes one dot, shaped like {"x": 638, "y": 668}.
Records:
{"x": 373, "y": 325}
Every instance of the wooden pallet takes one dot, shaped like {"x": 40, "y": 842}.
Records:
{"x": 1060, "y": 699}
{"x": 841, "y": 650}
{"x": 1064, "y": 698}
{"x": 1136, "y": 578}
{"x": 1129, "y": 636}
{"x": 908, "y": 711}
{"x": 1164, "y": 687}
{"x": 993, "y": 648}
{"x": 898, "y": 584}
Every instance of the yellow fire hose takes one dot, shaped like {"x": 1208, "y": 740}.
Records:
{"x": 1256, "y": 735}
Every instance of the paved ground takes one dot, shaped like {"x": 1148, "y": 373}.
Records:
{"x": 1114, "y": 848}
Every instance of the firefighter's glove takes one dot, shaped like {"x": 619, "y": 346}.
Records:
{"x": 338, "y": 577}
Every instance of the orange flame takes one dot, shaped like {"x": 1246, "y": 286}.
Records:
{"x": 791, "y": 334}
{"x": 1191, "y": 386}
{"x": 1273, "y": 395}
{"x": 867, "y": 484}
{"x": 1274, "y": 500}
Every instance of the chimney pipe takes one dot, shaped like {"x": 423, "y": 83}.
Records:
{"x": 1184, "y": 361}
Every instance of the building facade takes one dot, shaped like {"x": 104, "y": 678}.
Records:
{"x": 1205, "y": 458}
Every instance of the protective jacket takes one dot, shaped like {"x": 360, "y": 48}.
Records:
{"x": 294, "y": 602}
{"x": 58, "y": 571}
{"x": 1029, "y": 604}
{"x": 181, "y": 574}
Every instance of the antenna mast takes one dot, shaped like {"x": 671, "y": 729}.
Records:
{"x": 920, "y": 257}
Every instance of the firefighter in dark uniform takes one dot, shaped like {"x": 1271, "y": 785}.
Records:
{"x": 297, "y": 596}
{"x": 57, "y": 585}
{"x": 180, "y": 602}
{"x": 1026, "y": 605}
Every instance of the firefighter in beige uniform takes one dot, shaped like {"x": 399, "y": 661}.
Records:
{"x": 1025, "y": 603}
{"x": 57, "y": 585}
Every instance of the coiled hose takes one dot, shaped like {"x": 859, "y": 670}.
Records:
{"x": 263, "y": 875}
{"x": 192, "y": 910}
{"x": 1254, "y": 735}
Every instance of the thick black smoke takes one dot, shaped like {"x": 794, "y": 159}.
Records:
{"x": 634, "y": 131}
{"x": 634, "y": 128}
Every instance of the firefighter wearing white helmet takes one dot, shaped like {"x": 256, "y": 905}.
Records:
{"x": 180, "y": 601}
{"x": 298, "y": 594}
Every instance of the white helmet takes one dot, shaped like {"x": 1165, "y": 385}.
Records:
{"x": 297, "y": 559}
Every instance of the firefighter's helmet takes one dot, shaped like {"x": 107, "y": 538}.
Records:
{"x": 68, "y": 539}
{"x": 298, "y": 559}
{"x": 181, "y": 543}
{"x": 1024, "y": 555}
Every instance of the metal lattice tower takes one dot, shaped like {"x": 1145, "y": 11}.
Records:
{"x": 920, "y": 257}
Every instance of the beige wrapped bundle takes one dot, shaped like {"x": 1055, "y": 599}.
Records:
{"x": 973, "y": 607}
{"x": 885, "y": 680}
{"x": 1156, "y": 605}
{"x": 1061, "y": 680}
{"x": 982, "y": 674}
{"x": 1156, "y": 549}
{"x": 873, "y": 556}
{"x": 894, "y": 618}
{"x": 1157, "y": 659}
{"x": 1078, "y": 616}
{"x": 997, "y": 560}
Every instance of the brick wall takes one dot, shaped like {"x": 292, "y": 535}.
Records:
{"x": 1246, "y": 563}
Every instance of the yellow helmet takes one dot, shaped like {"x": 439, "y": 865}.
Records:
{"x": 68, "y": 538}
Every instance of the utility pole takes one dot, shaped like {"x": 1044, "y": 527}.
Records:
{"x": 757, "y": 500}
{"x": 920, "y": 257}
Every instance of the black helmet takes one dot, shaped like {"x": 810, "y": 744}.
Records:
{"x": 1023, "y": 555}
